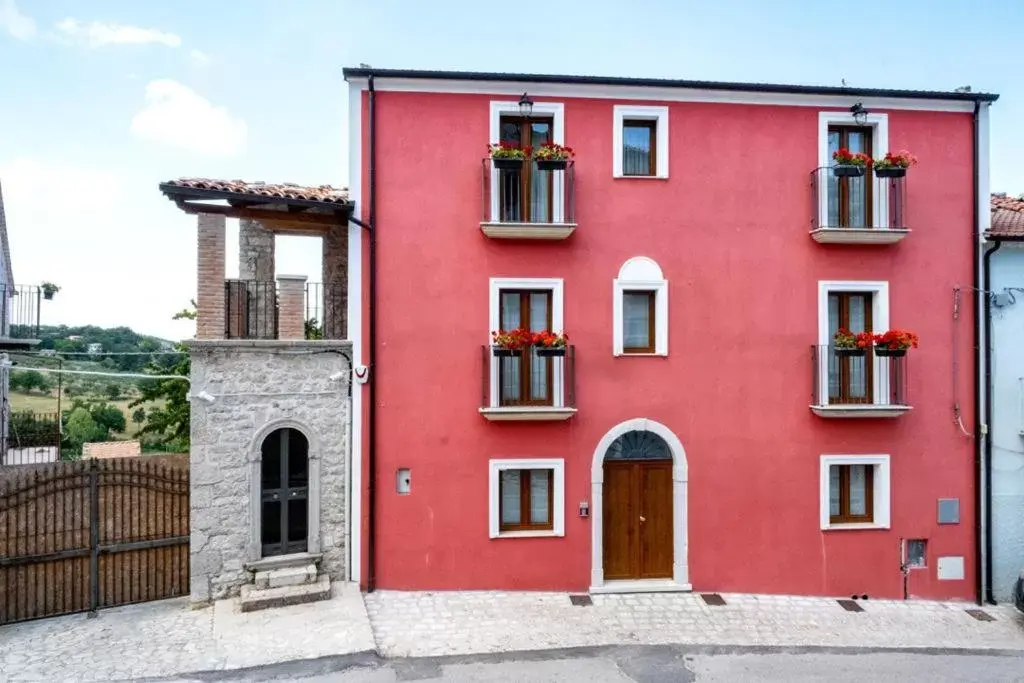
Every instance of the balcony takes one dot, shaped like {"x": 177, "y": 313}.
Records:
{"x": 528, "y": 202}
{"x": 528, "y": 385}
{"x": 858, "y": 386}
{"x": 252, "y": 310}
{"x": 857, "y": 210}
{"x": 20, "y": 308}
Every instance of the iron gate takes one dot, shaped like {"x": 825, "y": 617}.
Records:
{"x": 79, "y": 536}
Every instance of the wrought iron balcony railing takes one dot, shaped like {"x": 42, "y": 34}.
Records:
{"x": 528, "y": 192}
{"x": 858, "y": 377}
{"x": 20, "y": 309}
{"x": 532, "y": 378}
{"x": 863, "y": 202}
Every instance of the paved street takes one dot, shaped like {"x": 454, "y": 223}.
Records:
{"x": 429, "y": 624}
{"x": 390, "y": 635}
{"x": 653, "y": 664}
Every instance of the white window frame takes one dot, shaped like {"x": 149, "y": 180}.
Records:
{"x": 881, "y": 492}
{"x": 879, "y": 290}
{"x": 879, "y": 123}
{"x": 640, "y": 273}
{"x": 556, "y": 110}
{"x": 556, "y": 287}
{"x": 557, "y": 468}
{"x": 623, "y": 112}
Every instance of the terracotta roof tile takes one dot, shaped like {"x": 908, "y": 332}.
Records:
{"x": 1007, "y": 217}
{"x": 319, "y": 193}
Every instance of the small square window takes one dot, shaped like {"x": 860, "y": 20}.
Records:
{"x": 527, "y": 498}
{"x": 640, "y": 141}
{"x": 917, "y": 553}
{"x": 850, "y": 494}
{"x": 854, "y": 492}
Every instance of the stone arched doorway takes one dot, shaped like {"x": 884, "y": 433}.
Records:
{"x": 639, "y": 479}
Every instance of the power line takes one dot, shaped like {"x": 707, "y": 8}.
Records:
{"x": 43, "y": 354}
{"x": 139, "y": 375}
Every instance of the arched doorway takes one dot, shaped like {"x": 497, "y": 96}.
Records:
{"x": 639, "y": 508}
{"x": 284, "y": 493}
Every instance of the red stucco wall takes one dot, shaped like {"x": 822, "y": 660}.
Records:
{"x": 729, "y": 228}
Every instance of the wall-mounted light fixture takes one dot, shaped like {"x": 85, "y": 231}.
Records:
{"x": 525, "y": 106}
{"x": 205, "y": 396}
{"x": 860, "y": 114}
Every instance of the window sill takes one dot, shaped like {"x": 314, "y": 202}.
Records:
{"x": 623, "y": 354}
{"x": 527, "y": 413}
{"x": 527, "y": 231}
{"x": 548, "y": 533}
{"x": 619, "y": 176}
{"x": 860, "y": 526}
{"x": 859, "y": 411}
{"x": 858, "y": 235}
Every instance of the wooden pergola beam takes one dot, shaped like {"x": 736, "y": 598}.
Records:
{"x": 300, "y": 221}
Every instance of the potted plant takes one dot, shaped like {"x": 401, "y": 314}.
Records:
{"x": 894, "y": 343}
{"x": 847, "y": 343}
{"x": 508, "y": 156}
{"x": 550, "y": 344}
{"x": 49, "y": 289}
{"x": 850, "y": 164}
{"x": 509, "y": 344}
{"x": 894, "y": 165}
{"x": 552, "y": 157}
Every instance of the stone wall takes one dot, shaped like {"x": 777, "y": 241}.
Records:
{"x": 257, "y": 387}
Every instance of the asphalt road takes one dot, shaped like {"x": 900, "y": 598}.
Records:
{"x": 652, "y": 664}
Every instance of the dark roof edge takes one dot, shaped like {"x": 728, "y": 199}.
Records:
{"x": 363, "y": 72}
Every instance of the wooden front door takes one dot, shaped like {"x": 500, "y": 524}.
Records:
{"x": 637, "y": 519}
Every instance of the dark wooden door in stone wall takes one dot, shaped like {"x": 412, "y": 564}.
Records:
{"x": 284, "y": 478}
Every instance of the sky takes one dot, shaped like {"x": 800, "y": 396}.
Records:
{"x": 101, "y": 101}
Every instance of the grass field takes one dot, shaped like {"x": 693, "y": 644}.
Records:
{"x": 43, "y": 403}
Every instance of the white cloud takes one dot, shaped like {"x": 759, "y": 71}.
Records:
{"x": 19, "y": 25}
{"x": 198, "y": 58}
{"x": 99, "y": 34}
{"x": 177, "y": 116}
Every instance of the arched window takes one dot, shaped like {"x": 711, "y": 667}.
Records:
{"x": 639, "y": 445}
{"x": 640, "y": 309}
{"x": 284, "y": 488}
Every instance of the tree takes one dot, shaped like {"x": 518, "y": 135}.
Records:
{"x": 112, "y": 391}
{"x": 108, "y": 418}
{"x": 173, "y": 420}
{"x": 82, "y": 428}
{"x": 139, "y": 416}
{"x": 30, "y": 379}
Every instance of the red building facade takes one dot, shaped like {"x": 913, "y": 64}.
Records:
{"x": 700, "y": 430}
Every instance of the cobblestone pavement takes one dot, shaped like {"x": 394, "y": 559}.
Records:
{"x": 431, "y": 624}
{"x": 168, "y": 637}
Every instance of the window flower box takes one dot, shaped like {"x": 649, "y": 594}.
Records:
{"x": 508, "y": 156}
{"x": 894, "y": 343}
{"x": 850, "y": 164}
{"x": 552, "y": 157}
{"x": 894, "y": 165}
{"x": 510, "y": 344}
{"x": 548, "y": 344}
{"x": 847, "y": 344}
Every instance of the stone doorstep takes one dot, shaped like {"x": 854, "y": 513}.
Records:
{"x": 282, "y": 561}
{"x": 286, "y": 576}
{"x": 253, "y": 598}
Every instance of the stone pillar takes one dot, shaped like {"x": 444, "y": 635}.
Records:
{"x": 210, "y": 277}
{"x": 255, "y": 251}
{"x": 291, "y": 316}
{"x": 256, "y": 270}
{"x": 335, "y": 279}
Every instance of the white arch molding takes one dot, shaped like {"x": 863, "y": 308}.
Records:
{"x": 255, "y": 549}
{"x": 680, "y": 571}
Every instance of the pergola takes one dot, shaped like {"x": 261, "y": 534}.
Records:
{"x": 282, "y": 208}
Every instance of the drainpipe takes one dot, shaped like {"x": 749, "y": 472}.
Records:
{"x": 987, "y": 388}
{"x": 979, "y": 527}
{"x": 371, "y": 381}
